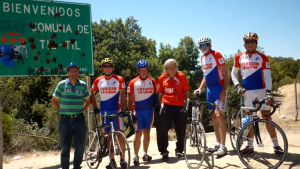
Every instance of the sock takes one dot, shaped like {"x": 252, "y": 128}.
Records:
{"x": 275, "y": 141}
{"x": 250, "y": 143}
{"x": 136, "y": 156}
{"x": 145, "y": 154}
{"x": 222, "y": 146}
{"x": 217, "y": 144}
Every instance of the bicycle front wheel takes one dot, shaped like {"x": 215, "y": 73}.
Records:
{"x": 234, "y": 126}
{"x": 92, "y": 150}
{"x": 120, "y": 147}
{"x": 263, "y": 154}
{"x": 195, "y": 146}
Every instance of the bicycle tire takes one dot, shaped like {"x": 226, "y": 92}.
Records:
{"x": 233, "y": 127}
{"x": 196, "y": 130}
{"x": 91, "y": 150}
{"x": 260, "y": 156}
{"x": 119, "y": 135}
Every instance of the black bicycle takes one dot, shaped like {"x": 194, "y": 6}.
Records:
{"x": 264, "y": 133}
{"x": 195, "y": 139}
{"x": 99, "y": 145}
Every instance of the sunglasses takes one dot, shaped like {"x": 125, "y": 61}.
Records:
{"x": 107, "y": 66}
{"x": 204, "y": 45}
{"x": 250, "y": 42}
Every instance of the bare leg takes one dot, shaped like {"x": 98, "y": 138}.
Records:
{"x": 137, "y": 141}
{"x": 222, "y": 126}
{"x": 216, "y": 127}
{"x": 146, "y": 139}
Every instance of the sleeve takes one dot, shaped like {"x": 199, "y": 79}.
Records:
{"x": 185, "y": 83}
{"x": 130, "y": 88}
{"x": 237, "y": 61}
{"x": 219, "y": 59}
{"x": 95, "y": 84}
{"x": 57, "y": 92}
{"x": 234, "y": 75}
{"x": 160, "y": 86}
{"x": 155, "y": 84}
{"x": 122, "y": 83}
{"x": 266, "y": 68}
{"x": 86, "y": 92}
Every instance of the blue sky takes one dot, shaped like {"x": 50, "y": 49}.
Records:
{"x": 277, "y": 22}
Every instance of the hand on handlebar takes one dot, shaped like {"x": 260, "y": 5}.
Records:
{"x": 96, "y": 110}
{"x": 122, "y": 114}
{"x": 239, "y": 89}
{"x": 197, "y": 92}
{"x": 269, "y": 100}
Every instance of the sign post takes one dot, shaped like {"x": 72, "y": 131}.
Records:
{"x": 40, "y": 38}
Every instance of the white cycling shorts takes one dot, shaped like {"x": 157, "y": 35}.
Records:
{"x": 251, "y": 95}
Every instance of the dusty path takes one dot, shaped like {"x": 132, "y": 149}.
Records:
{"x": 50, "y": 160}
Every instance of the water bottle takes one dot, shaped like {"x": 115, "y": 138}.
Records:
{"x": 247, "y": 120}
{"x": 193, "y": 114}
{"x": 243, "y": 121}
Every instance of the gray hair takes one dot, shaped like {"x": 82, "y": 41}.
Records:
{"x": 169, "y": 62}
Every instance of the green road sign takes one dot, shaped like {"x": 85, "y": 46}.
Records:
{"x": 40, "y": 38}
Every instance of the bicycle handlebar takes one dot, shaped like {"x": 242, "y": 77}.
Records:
{"x": 263, "y": 101}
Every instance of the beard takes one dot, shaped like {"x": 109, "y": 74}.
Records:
{"x": 205, "y": 51}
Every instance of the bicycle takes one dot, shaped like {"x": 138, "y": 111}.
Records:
{"x": 234, "y": 123}
{"x": 97, "y": 149}
{"x": 254, "y": 159}
{"x": 195, "y": 137}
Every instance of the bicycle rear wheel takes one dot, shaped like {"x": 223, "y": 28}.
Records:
{"x": 92, "y": 150}
{"x": 195, "y": 146}
{"x": 262, "y": 155}
{"x": 119, "y": 139}
{"x": 234, "y": 126}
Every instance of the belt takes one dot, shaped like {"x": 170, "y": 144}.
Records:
{"x": 72, "y": 115}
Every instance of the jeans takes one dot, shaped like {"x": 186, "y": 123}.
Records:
{"x": 69, "y": 128}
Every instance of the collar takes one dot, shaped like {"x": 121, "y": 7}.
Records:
{"x": 68, "y": 81}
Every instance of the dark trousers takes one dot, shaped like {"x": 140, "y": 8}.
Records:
{"x": 69, "y": 128}
{"x": 168, "y": 114}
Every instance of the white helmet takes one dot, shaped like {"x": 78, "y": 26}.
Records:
{"x": 203, "y": 40}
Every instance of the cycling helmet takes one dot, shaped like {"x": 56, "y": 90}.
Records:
{"x": 203, "y": 40}
{"x": 106, "y": 60}
{"x": 72, "y": 64}
{"x": 250, "y": 36}
{"x": 141, "y": 64}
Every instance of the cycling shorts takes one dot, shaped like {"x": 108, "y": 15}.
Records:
{"x": 251, "y": 95}
{"x": 144, "y": 119}
{"x": 213, "y": 96}
{"x": 118, "y": 121}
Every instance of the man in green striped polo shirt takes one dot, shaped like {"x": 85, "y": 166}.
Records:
{"x": 71, "y": 98}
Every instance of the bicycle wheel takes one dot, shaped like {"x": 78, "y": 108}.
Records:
{"x": 92, "y": 150}
{"x": 234, "y": 126}
{"x": 195, "y": 146}
{"x": 262, "y": 155}
{"x": 120, "y": 138}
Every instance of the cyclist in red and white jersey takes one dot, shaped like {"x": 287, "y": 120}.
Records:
{"x": 216, "y": 78}
{"x": 141, "y": 97}
{"x": 256, "y": 80}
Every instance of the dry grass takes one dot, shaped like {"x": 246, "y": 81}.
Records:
{"x": 172, "y": 135}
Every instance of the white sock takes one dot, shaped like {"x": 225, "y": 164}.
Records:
{"x": 136, "y": 156}
{"x": 217, "y": 143}
{"x": 250, "y": 142}
{"x": 275, "y": 141}
{"x": 145, "y": 154}
{"x": 222, "y": 146}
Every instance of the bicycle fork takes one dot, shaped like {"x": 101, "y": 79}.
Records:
{"x": 117, "y": 140}
{"x": 256, "y": 132}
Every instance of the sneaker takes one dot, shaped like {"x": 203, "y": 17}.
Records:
{"x": 221, "y": 151}
{"x": 136, "y": 161}
{"x": 178, "y": 153}
{"x": 213, "y": 148}
{"x": 111, "y": 163}
{"x": 278, "y": 150}
{"x": 146, "y": 157}
{"x": 123, "y": 164}
{"x": 165, "y": 157}
{"x": 247, "y": 150}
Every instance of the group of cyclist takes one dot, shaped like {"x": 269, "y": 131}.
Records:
{"x": 170, "y": 95}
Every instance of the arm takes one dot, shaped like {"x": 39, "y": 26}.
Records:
{"x": 87, "y": 104}
{"x": 123, "y": 99}
{"x": 234, "y": 75}
{"x": 268, "y": 79}
{"x": 160, "y": 95}
{"x": 225, "y": 69}
{"x": 129, "y": 101}
{"x": 55, "y": 103}
{"x": 93, "y": 99}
